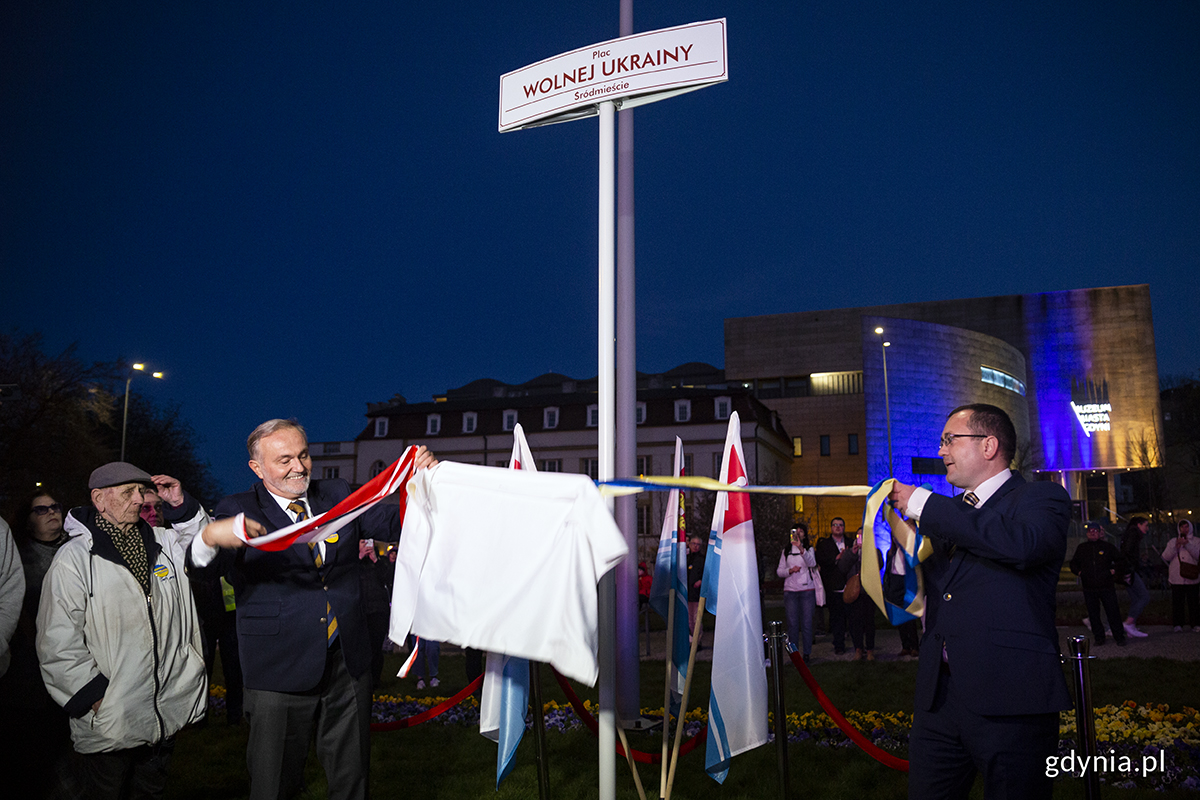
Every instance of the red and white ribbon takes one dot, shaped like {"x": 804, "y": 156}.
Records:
{"x": 325, "y": 525}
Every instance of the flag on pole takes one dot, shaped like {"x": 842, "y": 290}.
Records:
{"x": 505, "y": 698}
{"x": 737, "y": 705}
{"x": 670, "y": 572}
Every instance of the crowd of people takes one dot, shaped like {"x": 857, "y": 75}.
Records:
{"x": 111, "y": 616}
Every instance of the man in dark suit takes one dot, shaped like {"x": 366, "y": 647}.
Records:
{"x": 301, "y": 621}
{"x": 989, "y": 682}
{"x": 826, "y": 552}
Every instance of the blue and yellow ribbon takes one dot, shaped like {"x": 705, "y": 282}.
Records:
{"x": 904, "y": 598}
{"x": 664, "y": 483}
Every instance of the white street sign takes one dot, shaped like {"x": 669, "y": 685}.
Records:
{"x": 633, "y": 70}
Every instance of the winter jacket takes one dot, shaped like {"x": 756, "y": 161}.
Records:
{"x": 101, "y": 637}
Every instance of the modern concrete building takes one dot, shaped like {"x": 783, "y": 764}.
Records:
{"x": 473, "y": 424}
{"x": 1076, "y": 370}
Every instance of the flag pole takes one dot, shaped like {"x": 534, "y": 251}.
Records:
{"x": 670, "y": 661}
{"x": 687, "y": 687}
{"x": 637, "y": 779}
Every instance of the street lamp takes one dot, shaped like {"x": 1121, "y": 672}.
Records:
{"x": 887, "y": 400}
{"x": 125, "y": 418}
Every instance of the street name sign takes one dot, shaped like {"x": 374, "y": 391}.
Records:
{"x": 630, "y": 71}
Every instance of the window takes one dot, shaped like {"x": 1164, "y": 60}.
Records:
{"x": 550, "y": 465}
{"x": 1002, "y": 379}
{"x": 331, "y": 447}
{"x": 643, "y": 465}
{"x": 330, "y": 472}
{"x": 687, "y": 464}
{"x": 768, "y": 390}
{"x": 827, "y": 383}
{"x": 797, "y": 447}
{"x": 721, "y": 407}
{"x": 433, "y": 424}
{"x": 683, "y": 410}
{"x": 510, "y": 419}
{"x": 380, "y": 427}
{"x": 550, "y": 417}
{"x": 502, "y": 462}
{"x": 716, "y": 466}
{"x": 377, "y": 468}
{"x": 470, "y": 421}
{"x": 645, "y": 525}
{"x": 591, "y": 467}
{"x": 593, "y": 417}
{"x": 795, "y": 387}
{"x": 825, "y": 448}
{"x": 852, "y": 444}
{"x": 639, "y": 415}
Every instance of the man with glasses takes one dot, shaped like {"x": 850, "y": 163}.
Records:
{"x": 989, "y": 682}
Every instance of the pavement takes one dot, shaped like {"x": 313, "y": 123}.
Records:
{"x": 1162, "y": 642}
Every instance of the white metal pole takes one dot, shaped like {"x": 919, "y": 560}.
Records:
{"x": 606, "y": 403}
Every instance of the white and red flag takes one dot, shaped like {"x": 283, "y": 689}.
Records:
{"x": 737, "y": 706}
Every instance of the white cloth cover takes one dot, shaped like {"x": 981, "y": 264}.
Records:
{"x": 505, "y": 561}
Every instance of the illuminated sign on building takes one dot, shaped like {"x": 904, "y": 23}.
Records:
{"x": 1089, "y": 401}
{"x": 1093, "y": 416}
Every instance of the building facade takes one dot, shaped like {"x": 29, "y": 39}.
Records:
{"x": 474, "y": 424}
{"x": 1076, "y": 370}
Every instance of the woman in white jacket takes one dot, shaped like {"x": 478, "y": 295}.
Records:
{"x": 1182, "y": 556}
{"x": 796, "y": 564}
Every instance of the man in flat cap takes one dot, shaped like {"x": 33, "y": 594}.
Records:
{"x": 118, "y": 639}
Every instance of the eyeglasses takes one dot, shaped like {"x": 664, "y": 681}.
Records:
{"x": 41, "y": 511}
{"x": 948, "y": 438}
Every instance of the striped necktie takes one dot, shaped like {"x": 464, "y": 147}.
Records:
{"x": 971, "y": 499}
{"x": 302, "y": 514}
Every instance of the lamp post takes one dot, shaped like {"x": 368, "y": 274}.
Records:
{"x": 887, "y": 400}
{"x": 125, "y": 417}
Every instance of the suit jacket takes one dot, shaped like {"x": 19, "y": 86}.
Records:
{"x": 281, "y": 596}
{"x": 990, "y": 592}
{"x": 827, "y": 554}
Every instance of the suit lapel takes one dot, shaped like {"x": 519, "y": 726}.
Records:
{"x": 1009, "y": 485}
{"x": 270, "y": 509}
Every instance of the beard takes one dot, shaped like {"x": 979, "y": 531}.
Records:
{"x": 295, "y": 483}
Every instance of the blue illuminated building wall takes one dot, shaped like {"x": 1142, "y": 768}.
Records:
{"x": 931, "y": 369}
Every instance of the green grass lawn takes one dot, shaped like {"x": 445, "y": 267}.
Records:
{"x": 453, "y": 761}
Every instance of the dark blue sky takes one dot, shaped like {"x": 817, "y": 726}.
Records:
{"x": 296, "y": 208}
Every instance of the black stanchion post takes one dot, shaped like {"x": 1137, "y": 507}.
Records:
{"x": 1085, "y": 721}
{"x": 778, "y": 654}
{"x": 539, "y": 730}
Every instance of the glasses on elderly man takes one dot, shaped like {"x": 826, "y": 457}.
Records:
{"x": 53, "y": 508}
{"x": 948, "y": 439}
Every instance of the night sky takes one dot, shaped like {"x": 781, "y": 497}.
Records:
{"x": 296, "y": 208}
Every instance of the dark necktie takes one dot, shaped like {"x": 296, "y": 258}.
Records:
{"x": 971, "y": 499}
{"x": 302, "y": 514}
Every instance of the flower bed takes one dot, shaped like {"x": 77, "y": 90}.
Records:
{"x": 1147, "y": 746}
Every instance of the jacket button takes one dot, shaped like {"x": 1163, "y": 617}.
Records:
{"x": 326, "y": 588}
{"x": 946, "y": 596}
{"x": 324, "y": 620}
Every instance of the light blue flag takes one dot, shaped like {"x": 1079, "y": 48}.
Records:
{"x": 504, "y": 701}
{"x": 670, "y": 572}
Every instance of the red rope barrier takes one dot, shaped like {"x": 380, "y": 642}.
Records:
{"x": 429, "y": 713}
{"x": 594, "y": 727}
{"x": 868, "y": 747}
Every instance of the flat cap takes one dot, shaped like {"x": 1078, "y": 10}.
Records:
{"x": 116, "y": 474}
